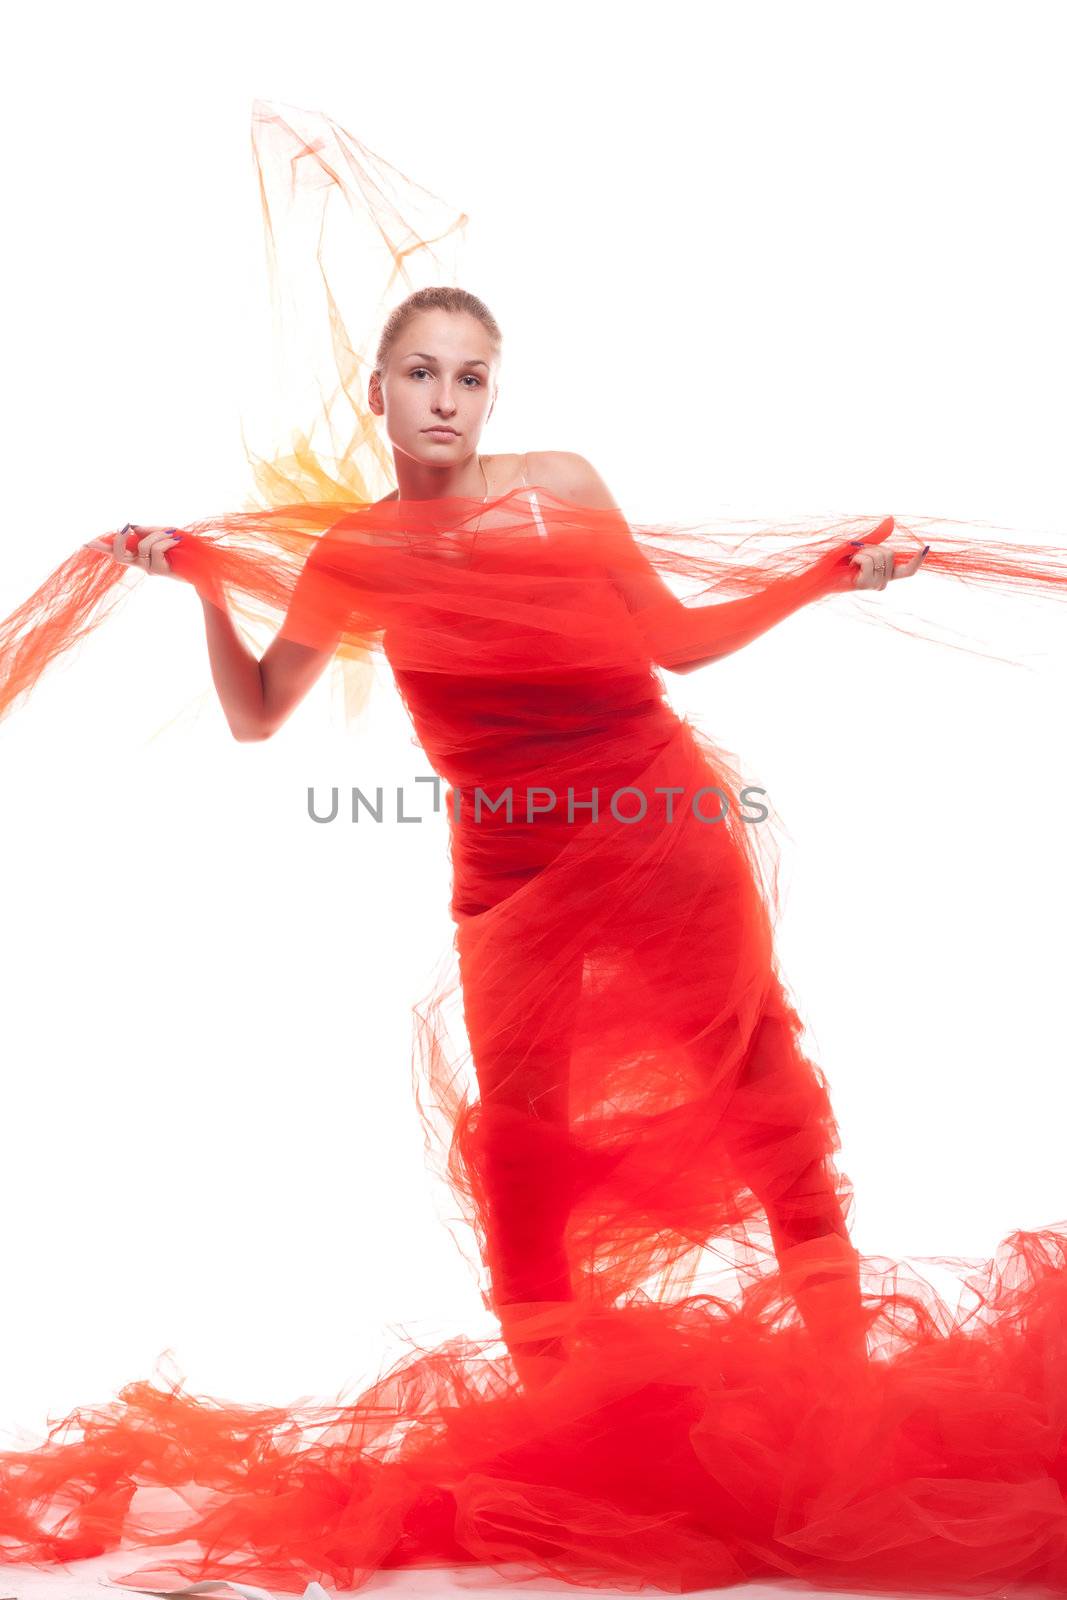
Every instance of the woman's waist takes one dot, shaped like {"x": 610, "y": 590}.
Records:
{"x": 566, "y": 783}
{"x": 580, "y": 756}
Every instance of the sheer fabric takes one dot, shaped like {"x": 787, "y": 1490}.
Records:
{"x": 700, "y": 1381}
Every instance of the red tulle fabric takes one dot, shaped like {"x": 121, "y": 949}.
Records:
{"x": 699, "y": 1381}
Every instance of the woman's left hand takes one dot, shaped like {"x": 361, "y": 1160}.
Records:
{"x": 877, "y": 567}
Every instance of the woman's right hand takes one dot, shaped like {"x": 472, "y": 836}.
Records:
{"x": 151, "y": 552}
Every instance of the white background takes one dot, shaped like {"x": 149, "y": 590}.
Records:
{"x": 773, "y": 260}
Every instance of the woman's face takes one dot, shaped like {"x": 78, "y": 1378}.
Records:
{"x": 441, "y": 372}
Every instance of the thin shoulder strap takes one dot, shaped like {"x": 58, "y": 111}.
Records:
{"x": 534, "y": 502}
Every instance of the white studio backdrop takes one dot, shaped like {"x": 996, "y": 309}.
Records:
{"x": 774, "y": 261}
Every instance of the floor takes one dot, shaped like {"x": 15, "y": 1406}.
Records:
{"x": 87, "y": 1580}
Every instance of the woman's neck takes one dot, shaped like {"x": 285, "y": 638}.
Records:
{"x": 496, "y": 475}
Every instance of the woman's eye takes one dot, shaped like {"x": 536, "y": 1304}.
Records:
{"x": 475, "y": 380}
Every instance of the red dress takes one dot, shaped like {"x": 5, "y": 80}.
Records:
{"x": 692, "y": 1390}
{"x": 631, "y": 1128}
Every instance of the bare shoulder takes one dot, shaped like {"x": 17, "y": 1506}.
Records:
{"x": 562, "y": 472}
{"x": 572, "y": 477}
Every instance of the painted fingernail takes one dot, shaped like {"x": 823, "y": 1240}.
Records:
{"x": 925, "y": 548}
{"x": 855, "y": 541}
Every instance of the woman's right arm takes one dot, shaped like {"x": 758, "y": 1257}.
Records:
{"x": 257, "y": 695}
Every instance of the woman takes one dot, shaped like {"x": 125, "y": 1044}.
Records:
{"x": 642, "y": 1098}
{"x": 435, "y": 383}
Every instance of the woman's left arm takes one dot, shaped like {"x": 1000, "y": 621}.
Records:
{"x": 683, "y": 637}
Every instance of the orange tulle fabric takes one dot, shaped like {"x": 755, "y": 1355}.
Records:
{"x": 699, "y": 1380}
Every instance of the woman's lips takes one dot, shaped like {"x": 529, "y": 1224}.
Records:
{"x": 440, "y": 433}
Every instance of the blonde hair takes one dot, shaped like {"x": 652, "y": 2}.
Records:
{"x": 438, "y": 298}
